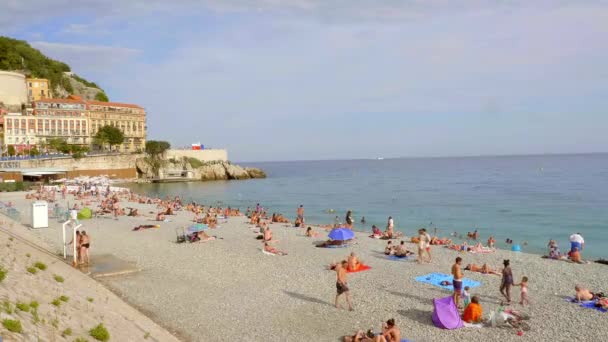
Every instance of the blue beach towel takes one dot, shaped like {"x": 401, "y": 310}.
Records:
{"x": 589, "y": 304}
{"x": 396, "y": 258}
{"x": 437, "y": 278}
{"x": 337, "y": 246}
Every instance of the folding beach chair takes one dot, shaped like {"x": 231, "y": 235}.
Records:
{"x": 181, "y": 235}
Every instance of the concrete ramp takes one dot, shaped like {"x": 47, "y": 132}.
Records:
{"x": 108, "y": 265}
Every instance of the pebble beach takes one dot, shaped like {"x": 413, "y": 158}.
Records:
{"x": 227, "y": 289}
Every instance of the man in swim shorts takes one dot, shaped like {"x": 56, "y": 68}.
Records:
{"x": 341, "y": 285}
{"x": 457, "y": 273}
{"x": 300, "y": 214}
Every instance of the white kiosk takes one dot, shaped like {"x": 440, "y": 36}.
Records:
{"x": 40, "y": 214}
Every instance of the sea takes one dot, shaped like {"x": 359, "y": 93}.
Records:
{"x": 529, "y": 199}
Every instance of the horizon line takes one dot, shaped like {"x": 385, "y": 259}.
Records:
{"x": 434, "y": 157}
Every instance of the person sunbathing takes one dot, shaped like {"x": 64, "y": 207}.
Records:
{"x": 329, "y": 243}
{"x": 390, "y": 333}
{"x": 272, "y": 250}
{"x": 353, "y": 262}
{"x": 485, "y": 269}
{"x": 473, "y": 313}
{"x": 389, "y": 249}
{"x": 160, "y": 217}
{"x": 361, "y": 336}
{"x": 583, "y": 294}
{"x": 311, "y": 233}
{"x": 376, "y": 232}
{"x": 437, "y": 241}
{"x": 401, "y": 252}
{"x": 267, "y": 234}
{"x": 602, "y": 303}
{"x": 201, "y": 236}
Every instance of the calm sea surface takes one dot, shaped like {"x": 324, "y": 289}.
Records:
{"x": 525, "y": 198}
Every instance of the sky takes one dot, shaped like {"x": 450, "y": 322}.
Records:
{"x": 332, "y": 79}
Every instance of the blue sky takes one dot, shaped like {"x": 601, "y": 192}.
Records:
{"x": 323, "y": 79}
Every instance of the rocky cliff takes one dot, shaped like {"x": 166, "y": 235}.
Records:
{"x": 207, "y": 172}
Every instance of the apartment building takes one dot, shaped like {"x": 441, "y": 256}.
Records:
{"x": 129, "y": 118}
{"x": 37, "y": 89}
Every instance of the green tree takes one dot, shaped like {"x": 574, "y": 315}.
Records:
{"x": 58, "y": 145}
{"x": 155, "y": 151}
{"x": 34, "y": 152}
{"x": 109, "y": 135}
{"x": 101, "y": 96}
{"x": 156, "y": 148}
{"x": 11, "y": 150}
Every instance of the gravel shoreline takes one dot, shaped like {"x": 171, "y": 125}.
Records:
{"x": 229, "y": 290}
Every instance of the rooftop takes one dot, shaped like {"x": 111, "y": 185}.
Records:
{"x": 113, "y": 104}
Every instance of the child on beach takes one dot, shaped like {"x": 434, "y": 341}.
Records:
{"x": 466, "y": 296}
{"x": 524, "y": 291}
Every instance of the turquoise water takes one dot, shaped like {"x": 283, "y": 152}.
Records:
{"x": 525, "y": 198}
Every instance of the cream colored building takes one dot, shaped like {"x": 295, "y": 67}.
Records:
{"x": 129, "y": 118}
{"x": 13, "y": 91}
{"x": 57, "y": 118}
{"x": 37, "y": 89}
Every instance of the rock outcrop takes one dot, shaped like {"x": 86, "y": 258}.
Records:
{"x": 143, "y": 169}
{"x": 211, "y": 172}
{"x": 227, "y": 171}
{"x": 208, "y": 172}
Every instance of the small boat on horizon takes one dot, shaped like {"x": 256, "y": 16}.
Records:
{"x": 380, "y": 158}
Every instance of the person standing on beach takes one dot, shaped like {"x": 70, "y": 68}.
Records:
{"x": 85, "y": 244}
{"x": 300, "y": 214}
{"x": 341, "y": 284}
{"x": 390, "y": 224}
{"x": 457, "y": 273}
{"x": 507, "y": 281}
{"x": 349, "y": 219}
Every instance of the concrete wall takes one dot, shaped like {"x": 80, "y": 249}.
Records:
{"x": 115, "y": 166}
{"x": 13, "y": 90}
{"x": 203, "y": 155}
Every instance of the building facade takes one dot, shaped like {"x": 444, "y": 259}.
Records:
{"x": 59, "y": 118}
{"x": 129, "y": 118}
{"x": 37, "y": 89}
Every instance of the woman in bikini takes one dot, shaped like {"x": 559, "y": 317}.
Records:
{"x": 85, "y": 244}
{"x": 507, "y": 281}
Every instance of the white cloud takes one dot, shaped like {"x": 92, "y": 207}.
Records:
{"x": 87, "y": 58}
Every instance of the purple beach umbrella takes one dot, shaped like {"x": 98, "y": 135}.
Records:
{"x": 341, "y": 234}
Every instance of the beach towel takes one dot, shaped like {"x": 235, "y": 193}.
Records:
{"x": 334, "y": 246}
{"x": 588, "y": 304}
{"x": 437, "y": 278}
{"x": 483, "y": 251}
{"x": 360, "y": 269}
{"x": 396, "y": 258}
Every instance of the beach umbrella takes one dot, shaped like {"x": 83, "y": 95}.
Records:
{"x": 341, "y": 234}
{"x": 197, "y": 227}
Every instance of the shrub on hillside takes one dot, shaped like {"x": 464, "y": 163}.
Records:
{"x": 100, "y": 333}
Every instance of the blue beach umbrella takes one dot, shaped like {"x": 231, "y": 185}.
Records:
{"x": 197, "y": 228}
{"x": 341, "y": 234}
